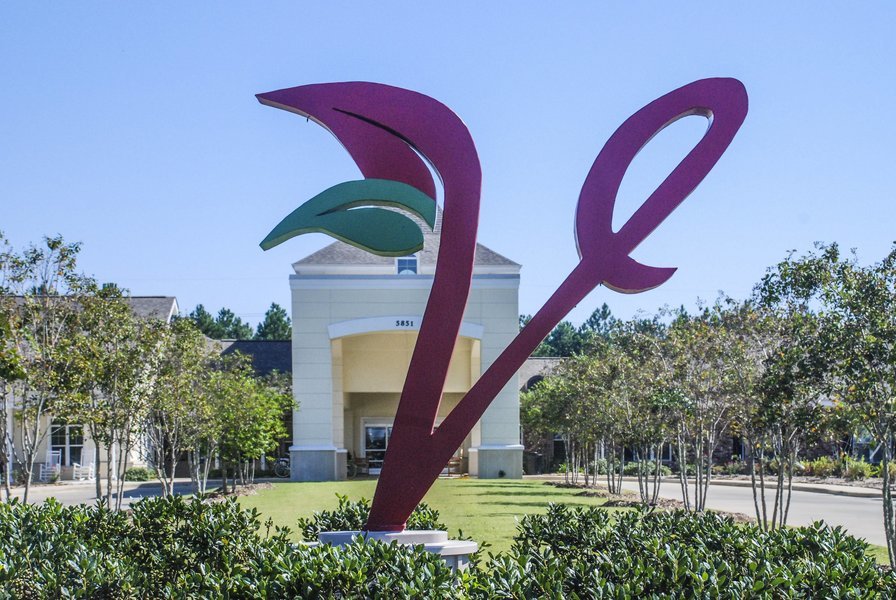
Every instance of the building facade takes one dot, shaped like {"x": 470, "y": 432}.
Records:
{"x": 67, "y": 451}
{"x": 356, "y": 317}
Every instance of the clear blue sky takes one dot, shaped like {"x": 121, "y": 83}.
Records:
{"x": 133, "y": 128}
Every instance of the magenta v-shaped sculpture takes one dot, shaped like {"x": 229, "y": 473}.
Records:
{"x": 387, "y": 130}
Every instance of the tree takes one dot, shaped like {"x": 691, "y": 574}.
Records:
{"x": 601, "y": 323}
{"x": 42, "y": 312}
{"x": 275, "y": 326}
{"x": 232, "y": 327}
{"x": 249, "y": 411}
{"x": 206, "y": 323}
{"x": 181, "y": 417}
{"x": 699, "y": 350}
{"x": 225, "y": 326}
{"x": 645, "y": 398}
{"x": 859, "y": 328}
{"x": 11, "y": 362}
{"x": 116, "y": 355}
{"x": 564, "y": 340}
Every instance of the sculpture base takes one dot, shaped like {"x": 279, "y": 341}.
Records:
{"x": 456, "y": 553}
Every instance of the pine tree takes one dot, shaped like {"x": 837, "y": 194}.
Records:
{"x": 275, "y": 326}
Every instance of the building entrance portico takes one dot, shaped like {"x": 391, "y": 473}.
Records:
{"x": 356, "y": 318}
{"x": 372, "y": 367}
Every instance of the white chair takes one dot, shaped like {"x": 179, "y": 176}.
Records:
{"x": 82, "y": 473}
{"x": 51, "y": 469}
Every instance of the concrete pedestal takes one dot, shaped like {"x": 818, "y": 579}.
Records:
{"x": 497, "y": 461}
{"x": 321, "y": 463}
{"x": 454, "y": 552}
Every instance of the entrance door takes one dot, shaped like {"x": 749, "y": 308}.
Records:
{"x": 376, "y": 441}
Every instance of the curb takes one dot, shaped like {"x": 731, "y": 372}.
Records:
{"x": 817, "y": 488}
{"x": 857, "y": 492}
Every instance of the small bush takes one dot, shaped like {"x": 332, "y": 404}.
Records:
{"x": 631, "y": 469}
{"x": 879, "y": 471}
{"x": 352, "y": 516}
{"x": 690, "y": 469}
{"x": 564, "y": 468}
{"x": 823, "y": 466}
{"x": 733, "y": 467}
{"x": 856, "y": 470}
{"x": 139, "y": 474}
{"x": 599, "y": 466}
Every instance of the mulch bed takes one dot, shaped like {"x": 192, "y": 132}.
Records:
{"x": 241, "y": 490}
{"x": 630, "y": 499}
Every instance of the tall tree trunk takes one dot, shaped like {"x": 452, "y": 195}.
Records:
{"x": 119, "y": 491}
{"x": 889, "y": 524}
{"x": 751, "y": 463}
{"x": 98, "y": 481}
{"x": 683, "y": 471}
{"x": 762, "y": 487}
{"x": 109, "y": 462}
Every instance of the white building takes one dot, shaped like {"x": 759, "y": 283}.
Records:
{"x": 67, "y": 451}
{"x": 356, "y": 317}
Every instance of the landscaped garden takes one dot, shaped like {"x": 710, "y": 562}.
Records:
{"x": 181, "y": 548}
{"x": 484, "y": 510}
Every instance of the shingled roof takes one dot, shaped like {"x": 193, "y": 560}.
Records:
{"x": 267, "y": 355}
{"x": 153, "y": 307}
{"x": 163, "y": 308}
{"x": 340, "y": 253}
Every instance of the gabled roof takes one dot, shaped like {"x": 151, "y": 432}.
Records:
{"x": 340, "y": 253}
{"x": 163, "y": 308}
{"x": 153, "y": 307}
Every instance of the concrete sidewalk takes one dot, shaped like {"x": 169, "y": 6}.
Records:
{"x": 817, "y": 488}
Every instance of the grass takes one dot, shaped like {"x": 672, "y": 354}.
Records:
{"x": 879, "y": 554}
{"x": 485, "y": 510}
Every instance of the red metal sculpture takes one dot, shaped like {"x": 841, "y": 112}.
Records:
{"x": 386, "y": 130}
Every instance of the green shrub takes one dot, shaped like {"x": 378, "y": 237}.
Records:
{"x": 735, "y": 467}
{"x": 176, "y": 548}
{"x": 591, "y": 553}
{"x": 184, "y": 548}
{"x": 139, "y": 474}
{"x": 690, "y": 469}
{"x": 823, "y": 466}
{"x": 598, "y": 467}
{"x": 891, "y": 468}
{"x": 352, "y": 516}
{"x": 563, "y": 468}
{"x": 631, "y": 469}
{"x": 857, "y": 469}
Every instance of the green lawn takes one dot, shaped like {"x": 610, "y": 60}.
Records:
{"x": 486, "y": 510}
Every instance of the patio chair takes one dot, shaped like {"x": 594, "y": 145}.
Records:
{"x": 83, "y": 473}
{"x": 52, "y": 467}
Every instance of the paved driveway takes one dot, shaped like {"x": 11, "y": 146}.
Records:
{"x": 85, "y": 493}
{"x": 861, "y": 517}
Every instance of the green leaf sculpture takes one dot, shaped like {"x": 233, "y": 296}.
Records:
{"x": 346, "y": 212}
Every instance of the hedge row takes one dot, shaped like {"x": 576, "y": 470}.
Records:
{"x": 179, "y": 548}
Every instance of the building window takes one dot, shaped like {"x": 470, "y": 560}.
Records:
{"x": 376, "y": 442}
{"x": 406, "y": 265}
{"x": 68, "y": 440}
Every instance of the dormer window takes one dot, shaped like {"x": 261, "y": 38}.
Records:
{"x": 406, "y": 265}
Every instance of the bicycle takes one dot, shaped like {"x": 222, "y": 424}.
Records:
{"x": 281, "y": 467}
